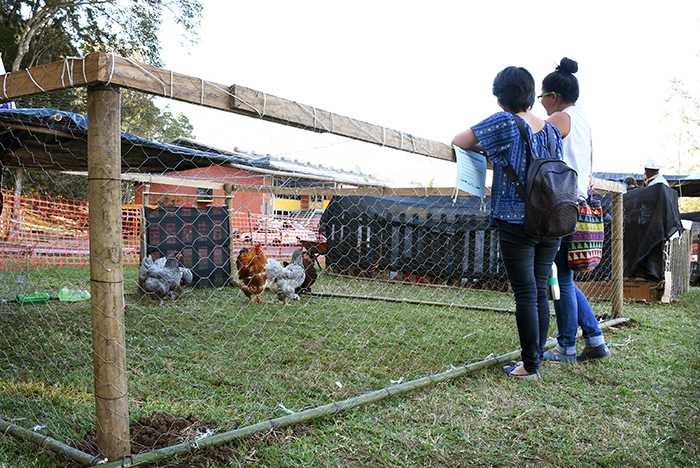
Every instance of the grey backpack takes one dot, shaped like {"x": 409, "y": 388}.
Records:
{"x": 549, "y": 192}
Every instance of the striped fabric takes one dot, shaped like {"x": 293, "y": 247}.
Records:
{"x": 586, "y": 246}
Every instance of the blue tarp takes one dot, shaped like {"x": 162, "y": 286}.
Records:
{"x": 685, "y": 185}
{"x": 48, "y": 139}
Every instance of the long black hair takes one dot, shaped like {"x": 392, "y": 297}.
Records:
{"x": 515, "y": 89}
{"x": 562, "y": 80}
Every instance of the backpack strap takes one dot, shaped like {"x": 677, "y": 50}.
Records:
{"x": 519, "y": 187}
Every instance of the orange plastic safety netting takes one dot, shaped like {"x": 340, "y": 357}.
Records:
{"x": 37, "y": 230}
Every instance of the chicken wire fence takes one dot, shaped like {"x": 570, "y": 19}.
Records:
{"x": 407, "y": 282}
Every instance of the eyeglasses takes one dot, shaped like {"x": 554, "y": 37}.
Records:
{"x": 544, "y": 95}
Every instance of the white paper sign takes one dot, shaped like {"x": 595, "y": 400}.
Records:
{"x": 471, "y": 171}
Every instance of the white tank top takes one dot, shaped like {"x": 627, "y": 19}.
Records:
{"x": 577, "y": 148}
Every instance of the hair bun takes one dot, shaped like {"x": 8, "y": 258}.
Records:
{"x": 568, "y": 66}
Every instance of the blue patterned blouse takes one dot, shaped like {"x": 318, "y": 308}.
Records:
{"x": 500, "y": 137}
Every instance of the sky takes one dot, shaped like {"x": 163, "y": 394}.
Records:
{"x": 426, "y": 68}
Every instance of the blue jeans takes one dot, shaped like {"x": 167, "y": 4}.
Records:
{"x": 573, "y": 309}
{"x": 528, "y": 261}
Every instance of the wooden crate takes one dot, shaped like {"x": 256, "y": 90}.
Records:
{"x": 635, "y": 290}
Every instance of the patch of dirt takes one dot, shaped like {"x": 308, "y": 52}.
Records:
{"x": 162, "y": 430}
{"x": 630, "y": 323}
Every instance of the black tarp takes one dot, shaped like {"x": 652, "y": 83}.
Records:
{"x": 432, "y": 236}
{"x": 651, "y": 218}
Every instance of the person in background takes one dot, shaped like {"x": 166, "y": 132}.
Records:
{"x": 528, "y": 260}
{"x": 631, "y": 183}
{"x": 651, "y": 173}
{"x": 560, "y": 91}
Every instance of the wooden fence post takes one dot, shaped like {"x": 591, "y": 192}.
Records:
{"x": 617, "y": 254}
{"x": 106, "y": 271}
{"x": 143, "y": 253}
{"x": 228, "y": 192}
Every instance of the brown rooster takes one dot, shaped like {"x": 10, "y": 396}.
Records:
{"x": 251, "y": 272}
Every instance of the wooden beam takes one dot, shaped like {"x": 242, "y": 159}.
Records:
{"x": 376, "y": 191}
{"x": 112, "y": 70}
{"x": 69, "y": 73}
{"x": 165, "y": 180}
{"x": 276, "y": 109}
{"x": 603, "y": 187}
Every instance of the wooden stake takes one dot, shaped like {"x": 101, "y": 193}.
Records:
{"x": 228, "y": 191}
{"x": 106, "y": 271}
{"x": 617, "y": 255}
{"x": 250, "y": 228}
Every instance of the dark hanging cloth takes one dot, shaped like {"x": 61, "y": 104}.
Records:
{"x": 651, "y": 218}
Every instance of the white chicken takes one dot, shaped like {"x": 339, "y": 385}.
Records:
{"x": 163, "y": 278}
{"x": 283, "y": 280}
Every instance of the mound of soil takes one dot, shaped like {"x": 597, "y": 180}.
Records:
{"x": 162, "y": 430}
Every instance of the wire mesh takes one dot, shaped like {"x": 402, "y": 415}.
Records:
{"x": 405, "y": 284}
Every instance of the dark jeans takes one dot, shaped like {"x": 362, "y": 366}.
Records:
{"x": 528, "y": 261}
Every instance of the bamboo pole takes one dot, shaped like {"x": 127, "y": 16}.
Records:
{"x": 617, "y": 254}
{"x": 410, "y": 301}
{"x": 332, "y": 408}
{"x": 48, "y": 443}
{"x": 106, "y": 271}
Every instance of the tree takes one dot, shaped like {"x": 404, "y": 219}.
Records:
{"x": 142, "y": 117}
{"x": 126, "y": 27}
{"x": 684, "y": 113}
{"x": 35, "y": 32}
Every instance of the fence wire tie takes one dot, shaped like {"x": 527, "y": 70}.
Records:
{"x": 102, "y": 461}
{"x": 138, "y": 66}
{"x": 4, "y": 88}
{"x": 68, "y": 69}
{"x": 131, "y": 462}
{"x": 313, "y": 116}
{"x": 33, "y": 81}
{"x": 112, "y": 67}
{"x": 194, "y": 444}
{"x": 285, "y": 409}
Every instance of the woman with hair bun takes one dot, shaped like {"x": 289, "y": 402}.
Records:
{"x": 528, "y": 260}
{"x": 560, "y": 92}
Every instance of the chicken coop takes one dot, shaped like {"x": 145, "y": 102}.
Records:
{"x": 434, "y": 239}
{"x": 112, "y": 369}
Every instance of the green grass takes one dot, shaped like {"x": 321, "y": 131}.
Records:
{"x": 211, "y": 355}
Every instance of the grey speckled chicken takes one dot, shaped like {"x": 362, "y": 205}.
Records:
{"x": 163, "y": 278}
{"x": 283, "y": 280}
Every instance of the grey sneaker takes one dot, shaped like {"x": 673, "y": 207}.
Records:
{"x": 597, "y": 353}
{"x": 552, "y": 356}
